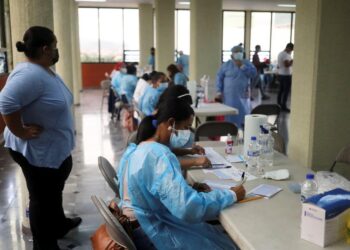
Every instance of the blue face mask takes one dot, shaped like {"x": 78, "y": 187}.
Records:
{"x": 180, "y": 139}
{"x": 190, "y": 142}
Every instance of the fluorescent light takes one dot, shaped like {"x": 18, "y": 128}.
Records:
{"x": 90, "y": 0}
{"x": 286, "y": 5}
{"x": 184, "y": 3}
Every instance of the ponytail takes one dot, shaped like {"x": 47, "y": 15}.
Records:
{"x": 147, "y": 129}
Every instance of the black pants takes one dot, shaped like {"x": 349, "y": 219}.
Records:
{"x": 285, "y": 85}
{"x": 46, "y": 214}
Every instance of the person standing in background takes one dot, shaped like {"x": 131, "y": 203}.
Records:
{"x": 233, "y": 84}
{"x": 183, "y": 63}
{"x": 36, "y": 107}
{"x": 152, "y": 59}
{"x": 260, "y": 66}
{"x": 285, "y": 63}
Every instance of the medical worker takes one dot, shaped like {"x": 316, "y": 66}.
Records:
{"x": 128, "y": 83}
{"x": 232, "y": 84}
{"x": 117, "y": 78}
{"x": 149, "y": 99}
{"x": 152, "y": 58}
{"x": 183, "y": 63}
{"x": 176, "y": 77}
{"x": 153, "y": 191}
{"x": 141, "y": 86}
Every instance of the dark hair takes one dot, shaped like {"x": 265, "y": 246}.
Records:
{"x": 173, "y": 108}
{"x": 290, "y": 46}
{"x": 145, "y": 77}
{"x": 131, "y": 70}
{"x": 257, "y": 47}
{"x": 173, "y": 92}
{"x": 35, "y": 38}
{"x": 173, "y": 70}
{"x": 156, "y": 76}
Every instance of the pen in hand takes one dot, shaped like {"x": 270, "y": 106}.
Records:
{"x": 243, "y": 179}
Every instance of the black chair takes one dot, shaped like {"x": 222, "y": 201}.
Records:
{"x": 271, "y": 110}
{"x": 215, "y": 128}
{"x": 342, "y": 157}
{"x": 109, "y": 174}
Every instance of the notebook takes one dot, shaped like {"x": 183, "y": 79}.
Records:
{"x": 265, "y": 190}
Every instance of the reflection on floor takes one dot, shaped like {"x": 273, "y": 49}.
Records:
{"x": 96, "y": 135}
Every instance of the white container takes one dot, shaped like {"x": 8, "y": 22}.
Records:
{"x": 309, "y": 187}
{"x": 252, "y": 128}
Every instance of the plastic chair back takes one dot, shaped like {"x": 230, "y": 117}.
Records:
{"x": 269, "y": 110}
{"x": 109, "y": 174}
{"x": 342, "y": 157}
{"x": 215, "y": 128}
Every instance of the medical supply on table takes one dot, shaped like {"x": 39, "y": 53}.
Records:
{"x": 278, "y": 175}
{"x": 252, "y": 128}
{"x": 265, "y": 190}
{"x": 295, "y": 187}
{"x": 309, "y": 187}
{"x": 253, "y": 155}
{"x": 229, "y": 144}
{"x": 327, "y": 181}
{"x": 266, "y": 143}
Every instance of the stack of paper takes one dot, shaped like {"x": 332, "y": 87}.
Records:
{"x": 265, "y": 190}
{"x": 215, "y": 184}
{"x": 215, "y": 158}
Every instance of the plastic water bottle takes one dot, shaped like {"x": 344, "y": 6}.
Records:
{"x": 309, "y": 187}
{"x": 229, "y": 144}
{"x": 266, "y": 143}
{"x": 253, "y": 155}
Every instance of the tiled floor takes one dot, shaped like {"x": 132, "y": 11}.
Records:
{"x": 96, "y": 135}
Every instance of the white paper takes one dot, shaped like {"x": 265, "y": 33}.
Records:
{"x": 215, "y": 157}
{"x": 230, "y": 174}
{"x": 266, "y": 190}
{"x": 214, "y": 184}
{"x": 234, "y": 158}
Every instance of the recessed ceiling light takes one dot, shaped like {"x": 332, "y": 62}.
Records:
{"x": 286, "y": 5}
{"x": 184, "y": 3}
{"x": 90, "y": 0}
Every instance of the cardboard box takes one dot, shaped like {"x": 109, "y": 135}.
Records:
{"x": 316, "y": 229}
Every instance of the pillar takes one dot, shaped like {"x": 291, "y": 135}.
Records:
{"x": 62, "y": 27}
{"x": 320, "y": 118}
{"x": 31, "y": 12}
{"x": 75, "y": 55}
{"x": 146, "y": 32}
{"x": 8, "y": 35}
{"x": 24, "y": 14}
{"x": 247, "y": 30}
{"x": 206, "y": 38}
{"x": 165, "y": 33}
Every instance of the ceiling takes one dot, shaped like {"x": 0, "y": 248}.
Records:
{"x": 227, "y": 4}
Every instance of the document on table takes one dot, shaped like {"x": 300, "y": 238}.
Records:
{"x": 230, "y": 174}
{"x": 234, "y": 158}
{"x": 265, "y": 190}
{"x": 215, "y": 184}
{"x": 215, "y": 158}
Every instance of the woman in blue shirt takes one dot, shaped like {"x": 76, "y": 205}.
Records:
{"x": 169, "y": 211}
{"x": 128, "y": 83}
{"x": 36, "y": 107}
{"x": 176, "y": 76}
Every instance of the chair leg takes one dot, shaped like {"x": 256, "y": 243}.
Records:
{"x": 333, "y": 165}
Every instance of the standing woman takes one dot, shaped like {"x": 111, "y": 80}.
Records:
{"x": 36, "y": 107}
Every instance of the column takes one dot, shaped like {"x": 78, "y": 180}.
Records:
{"x": 206, "y": 38}
{"x": 247, "y": 30}
{"x": 146, "y": 32}
{"x": 75, "y": 54}
{"x": 8, "y": 35}
{"x": 62, "y": 26}
{"x": 165, "y": 34}
{"x": 320, "y": 118}
{"x": 24, "y": 14}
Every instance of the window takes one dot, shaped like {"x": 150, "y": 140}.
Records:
{"x": 182, "y": 31}
{"x": 260, "y": 33}
{"x": 109, "y": 34}
{"x": 233, "y": 31}
{"x": 281, "y": 33}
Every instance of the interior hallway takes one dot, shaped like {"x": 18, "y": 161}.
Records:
{"x": 96, "y": 135}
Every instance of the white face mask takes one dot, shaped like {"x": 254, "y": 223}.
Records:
{"x": 180, "y": 139}
{"x": 238, "y": 56}
{"x": 123, "y": 70}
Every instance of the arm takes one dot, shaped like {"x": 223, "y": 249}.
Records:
{"x": 288, "y": 63}
{"x": 220, "y": 80}
{"x": 248, "y": 69}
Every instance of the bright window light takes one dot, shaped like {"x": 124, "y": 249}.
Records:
{"x": 90, "y": 0}
{"x": 287, "y": 5}
{"x": 184, "y": 3}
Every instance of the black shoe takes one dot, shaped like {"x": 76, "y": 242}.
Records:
{"x": 71, "y": 223}
{"x": 265, "y": 97}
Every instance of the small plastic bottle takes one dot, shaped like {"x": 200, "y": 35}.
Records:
{"x": 309, "y": 187}
{"x": 229, "y": 144}
{"x": 253, "y": 155}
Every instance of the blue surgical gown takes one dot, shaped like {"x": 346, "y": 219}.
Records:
{"x": 233, "y": 82}
{"x": 128, "y": 85}
{"x": 149, "y": 99}
{"x": 116, "y": 81}
{"x": 170, "y": 212}
{"x": 151, "y": 61}
{"x": 184, "y": 62}
{"x": 180, "y": 79}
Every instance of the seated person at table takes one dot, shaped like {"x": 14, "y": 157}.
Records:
{"x": 176, "y": 77}
{"x": 128, "y": 83}
{"x": 150, "y": 97}
{"x": 117, "y": 78}
{"x": 153, "y": 191}
{"x": 141, "y": 86}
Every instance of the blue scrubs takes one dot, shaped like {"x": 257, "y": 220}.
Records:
{"x": 149, "y": 99}
{"x": 116, "y": 81}
{"x": 128, "y": 85}
{"x": 183, "y": 60}
{"x": 152, "y": 61}
{"x": 170, "y": 212}
{"x": 180, "y": 79}
{"x": 233, "y": 83}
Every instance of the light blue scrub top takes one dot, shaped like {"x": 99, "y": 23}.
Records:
{"x": 151, "y": 61}
{"x": 44, "y": 100}
{"x": 128, "y": 85}
{"x": 184, "y": 62}
{"x": 233, "y": 83}
{"x": 116, "y": 81}
{"x": 149, "y": 99}
{"x": 171, "y": 212}
{"x": 180, "y": 79}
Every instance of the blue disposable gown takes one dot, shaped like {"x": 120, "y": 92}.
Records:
{"x": 149, "y": 99}
{"x": 151, "y": 61}
{"x": 170, "y": 212}
{"x": 128, "y": 85}
{"x": 116, "y": 81}
{"x": 180, "y": 79}
{"x": 233, "y": 83}
{"x": 184, "y": 62}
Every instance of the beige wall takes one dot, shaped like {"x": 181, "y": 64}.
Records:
{"x": 165, "y": 36}
{"x": 146, "y": 32}
{"x": 206, "y": 38}
{"x": 320, "y": 119}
